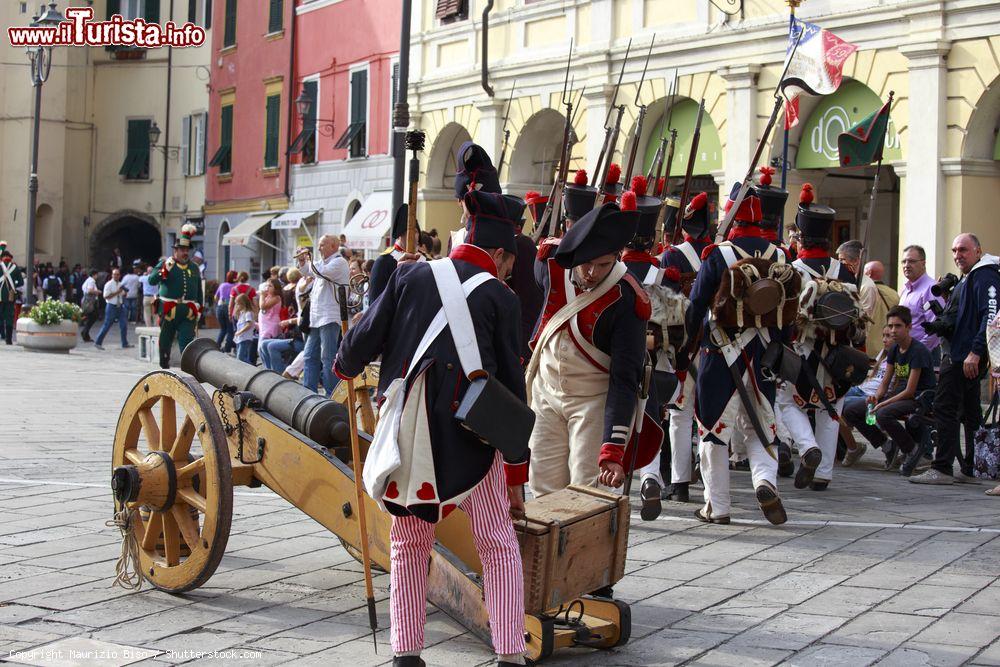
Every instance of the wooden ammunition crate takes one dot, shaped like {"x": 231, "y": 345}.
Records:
{"x": 572, "y": 542}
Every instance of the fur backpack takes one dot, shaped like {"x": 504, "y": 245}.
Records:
{"x": 756, "y": 291}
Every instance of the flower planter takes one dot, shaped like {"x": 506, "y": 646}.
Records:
{"x": 60, "y": 337}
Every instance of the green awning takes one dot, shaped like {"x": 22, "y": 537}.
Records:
{"x": 685, "y": 113}
{"x": 836, "y": 113}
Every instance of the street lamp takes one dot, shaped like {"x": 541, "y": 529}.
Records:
{"x": 41, "y": 65}
{"x": 303, "y": 104}
{"x": 172, "y": 152}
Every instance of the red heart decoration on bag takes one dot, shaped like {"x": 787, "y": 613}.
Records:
{"x": 391, "y": 491}
{"x": 426, "y": 492}
{"x": 447, "y": 509}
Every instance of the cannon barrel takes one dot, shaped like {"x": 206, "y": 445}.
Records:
{"x": 320, "y": 419}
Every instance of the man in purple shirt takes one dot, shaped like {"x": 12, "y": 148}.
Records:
{"x": 915, "y": 293}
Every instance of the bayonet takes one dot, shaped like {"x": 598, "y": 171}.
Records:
{"x": 506, "y": 132}
{"x": 599, "y": 167}
{"x": 637, "y": 133}
{"x": 552, "y": 206}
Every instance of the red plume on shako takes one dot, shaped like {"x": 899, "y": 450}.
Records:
{"x": 614, "y": 174}
{"x": 639, "y": 185}
{"x": 806, "y": 196}
{"x": 581, "y": 177}
{"x": 765, "y": 175}
{"x": 628, "y": 201}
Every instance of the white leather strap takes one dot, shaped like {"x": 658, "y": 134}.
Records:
{"x": 689, "y": 253}
{"x": 456, "y": 311}
{"x": 440, "y": 320}
{"x": 653, "y": 275}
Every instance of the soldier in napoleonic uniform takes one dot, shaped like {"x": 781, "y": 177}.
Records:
{"x": 466, "y": 471}
{"x": 817, "y": 444}
{"x": 474, "y": 171}
{"x": 11, "y": 278}
{"x": 682, "y": 263}
{"x": 386, "y": 263}
{"x": 645, "y": 268}
{"x": 180, "y": 295}
{"x": 522, "y": 277}
{"x": 589, "y": 354}
{"x": 729, "y": 354}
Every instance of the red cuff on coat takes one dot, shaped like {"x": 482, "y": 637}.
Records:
{"x": 339, "y": 373}
{"x": 516, "y": 473}
{"x": 613, "y": 453}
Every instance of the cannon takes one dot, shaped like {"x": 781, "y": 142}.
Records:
{"x": 178, "y": 453}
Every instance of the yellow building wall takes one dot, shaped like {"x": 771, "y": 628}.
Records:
{"x": 972, "y": 67}
{"x": 658, "y": 13}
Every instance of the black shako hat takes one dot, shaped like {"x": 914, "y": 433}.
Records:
{"x": 815, "y": 221}
{"x": 515, "y": 208}
{"x": 492, "y": 218}
{"x": 602, "y": 231}
{"x": 673, "y": 205}
{"x": 772, "y": 199}
{"x": 399, "y": 222}
{"x": 474, "y": 169}
{"x": 578, "y": 197}
{"x": 648, "y": 207}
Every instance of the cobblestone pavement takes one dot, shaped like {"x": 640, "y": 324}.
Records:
{"x": 875, "y": 570}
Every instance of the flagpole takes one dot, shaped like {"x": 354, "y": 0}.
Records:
{"x": 871, "y": 207}
{"x": 792, "y": 5}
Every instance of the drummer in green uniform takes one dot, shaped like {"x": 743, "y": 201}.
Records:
{"x": 11, "y": 279}
{"x": 180, "y": 295}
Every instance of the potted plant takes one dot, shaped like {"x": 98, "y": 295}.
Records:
{"x": 49, "y": 326}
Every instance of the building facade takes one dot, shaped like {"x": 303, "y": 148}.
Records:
{"x": 941, "y": 173}
{"x": 346, "y": 63}
{"x": 248, "y": 180}
{"x": 101, "y": 184}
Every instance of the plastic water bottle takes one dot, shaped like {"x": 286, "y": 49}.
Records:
{"x": 870, "y": 415}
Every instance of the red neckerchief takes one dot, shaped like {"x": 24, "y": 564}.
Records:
{"x": 690, "y": 239}
{"x": 474, "y": 255}
{"x": 639, "y": 256}
{"x": 745, "y": 231}
{"x": 812, "y": 253}
{"x": 396, "y": 246}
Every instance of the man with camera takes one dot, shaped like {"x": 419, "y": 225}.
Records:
{"x": 974, "y": 303}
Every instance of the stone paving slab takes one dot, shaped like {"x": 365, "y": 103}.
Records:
{"x": 873, "y": 571}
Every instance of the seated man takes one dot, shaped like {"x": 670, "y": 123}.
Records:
{"x": 909, "y": 371}
{"x": 858, "y": 397}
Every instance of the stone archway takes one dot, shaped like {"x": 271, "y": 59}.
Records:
{"x": 535, "y": 158}
{"x": 441, "y": 163}
{"x": 135, "y": 233}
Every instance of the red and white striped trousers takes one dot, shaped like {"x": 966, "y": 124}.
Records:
{"x": 411, "y": 540}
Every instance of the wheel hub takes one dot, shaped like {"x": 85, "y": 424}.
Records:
{"x": 152, "y": 483}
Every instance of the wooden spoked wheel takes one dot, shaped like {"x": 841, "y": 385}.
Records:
{"x": 171, "y": 463}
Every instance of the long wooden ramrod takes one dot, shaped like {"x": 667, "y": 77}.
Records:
{"x": 414, "y": 141}
{"x": 693, "y": 155}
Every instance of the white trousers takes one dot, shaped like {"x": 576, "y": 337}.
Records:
{"x": 715, "y": 466}
{"x": 566, "y": 441}
{"x": 824, "y": 438}
{"x": 679, "y": 430}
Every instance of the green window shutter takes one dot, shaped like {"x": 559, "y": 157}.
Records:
{"x": 359, "y": 111}
{"x": 114, "y": 7}
{"x": 225, "y": 161}
{"x": 192, "y": 11}
{"x": 273, "y": 119}
{"x": 208, "y": 14}
{"x": 275, "y": 16}
{"x": 152, "y": 11}
{"x": 229, "y": 32}
{"x": 136, "y": 164}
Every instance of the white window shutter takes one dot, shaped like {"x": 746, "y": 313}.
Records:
{"x": 199, "y": 143}
{"x": 186, "y": 146}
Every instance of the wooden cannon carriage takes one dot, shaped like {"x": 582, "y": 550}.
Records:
{"x": 179, "y": 452}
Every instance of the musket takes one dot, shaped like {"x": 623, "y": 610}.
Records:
{"x": 612, "y": 141}
{"x": 506, "y": 132}
{"x": 671, "y": 96}
{"x": 693, "y": 155}
{"x": 556, "y": 189}
{"x": 637, "y": 134}
{"x": 598, "y": 168}
{"x": 748, "y": 179}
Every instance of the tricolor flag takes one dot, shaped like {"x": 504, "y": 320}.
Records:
{"x": 862, "y": 144}
{"x": 816, "y": 66}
